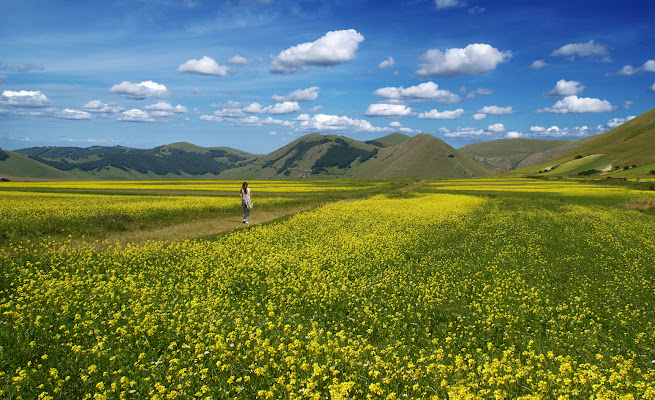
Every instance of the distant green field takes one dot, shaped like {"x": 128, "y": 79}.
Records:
{"x": 456, "y": 289}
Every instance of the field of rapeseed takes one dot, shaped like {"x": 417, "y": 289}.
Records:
{"x": 462, "y": 290}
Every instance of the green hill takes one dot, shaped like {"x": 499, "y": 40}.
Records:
{"x": 14, "y": 166}
{"x": 625, "y": 151}
{"x": 509, "y": 154}
{"x": 389, "y": 140}
{"x": 174, "y": 161}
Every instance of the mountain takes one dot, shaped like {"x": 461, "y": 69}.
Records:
{"x": 626, "y": 151}
{"x": 330, "y": 156}
{"x": 311, "y": 156}
{"x": 173, "y": 161}
{"x": 15, "y": 166}
{"x": 510, "y": 154}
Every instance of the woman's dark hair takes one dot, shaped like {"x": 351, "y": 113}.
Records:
{"x": 244, "y": 187}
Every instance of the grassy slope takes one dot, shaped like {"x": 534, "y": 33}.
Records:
{"x": 19, "y": 166}
{"x": 392, "y": 139}
{"x": 630, "y": 143}
{"x": 421, "y": 156}
{"x": 508, "y": 154}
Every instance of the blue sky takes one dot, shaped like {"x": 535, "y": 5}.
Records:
{"x": 257, "y": 74}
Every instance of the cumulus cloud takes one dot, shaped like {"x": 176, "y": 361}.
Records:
{"x": 652, "y": 88}
{"x": 435, "y": 114}
{"x": 614, "y": 122}
{"x": 67, "y": 113}
{"x": 474, "y": 59}
{"x": 167, "y": 107}
{"x": 537, "y": 129}
{"x": 24, "y": 98}
{"x": 336, "y": 47}
{"x": 575, "y": 105}
{"x": 492, "y": 110}
{"x": 334, "y": 123}
{"x": 229, "y": 113}
{"x": 388, "y": 63}
{"x": 140, "y": 90}
{"x": 237, "y": 59}
{"x": 513, "y": 135}
{"x": 465, "y": 132}
{"x": 98, "y": 107}
{"x": 204, "y": 66}
{"x": 388, "y": 110}
{"x": 496, "y": 128}
{"x": 135, "y": 115}
{"x": 538, "y": 64}
{"x": 565, "y": 88}
{"x": 287, "y": 107}
{"x": 588, "y": 49}
{"x": 422, "y": 92}
{"x": 309, "y": 94}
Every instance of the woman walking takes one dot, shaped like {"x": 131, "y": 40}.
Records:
{"x": 246, "y": 203}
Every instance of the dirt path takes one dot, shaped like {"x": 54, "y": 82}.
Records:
{"x": 193, "y": 229}
{"x": 207, "y": 227}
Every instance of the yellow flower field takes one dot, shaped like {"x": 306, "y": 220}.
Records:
{"x": 407, "y": 295}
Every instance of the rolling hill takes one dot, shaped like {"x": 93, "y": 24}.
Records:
{"x": 510, "y": 154}
{"x": 625, "y": 151}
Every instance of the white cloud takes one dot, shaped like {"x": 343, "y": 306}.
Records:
{"x": 424, "y": 91}
{"x": 614, "y": 122}
{"x": 575, "y": 104}
{"x": 496, "y": 128}
{"x": 465, "y": 132}
{"x": 565, "y": 88}
{"x": 204, "y": 66}
{"x": 332, "y": 123}
{"x": 229, "y": 113}
{"x": 287, "y": 107}
{"x": 537, "y": 129}
{"x": 388, "y": 63}
{"x": 140, "y": 90}
{"x": 254, "y": 108}
{"x": 652, "y": 88}
{"x": 474, "y": 59}
{"x": 395, "y": 124}
{"x": 435, "y": 114}
{"x": 538, "y": 64}
{"x": 24, "y": 98}
{"x": 98, "y": 107}
{"x": 135, "y": 115}
{"x": 513, "y": 135}
{"x": 309, "y": 94}
{"x": 443, "y": 4}
{"x": 336, "y": 47}
{"x": 491, "y": 110}
{"x": 237, "y": 59}
{"x": 256, "y": 121}
{"x": 588, "y": 49}
{"x": 388, "y": 110}
{"x": 67, "y": 113}
{"x": 164, "y": 106}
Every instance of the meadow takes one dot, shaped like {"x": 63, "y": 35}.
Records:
{"x": 458, "y": 289}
